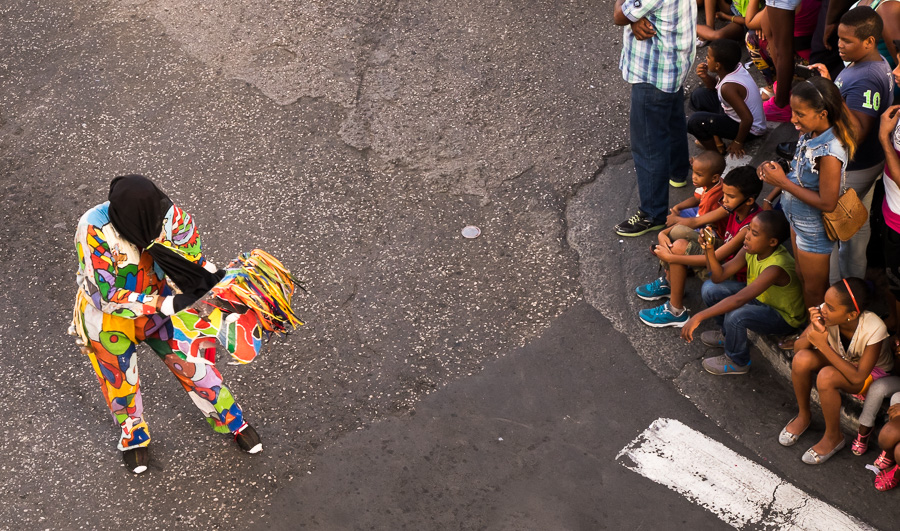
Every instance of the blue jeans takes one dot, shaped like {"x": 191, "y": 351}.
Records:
{"x": 754, "y": 316}
{"x": 658, "y": 145}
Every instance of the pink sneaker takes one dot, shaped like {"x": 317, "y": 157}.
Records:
{"x": 774, "y": 113}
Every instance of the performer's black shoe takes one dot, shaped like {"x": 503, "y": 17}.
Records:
{"x": 137, "y": 460}
{"x": 248, "y": 439}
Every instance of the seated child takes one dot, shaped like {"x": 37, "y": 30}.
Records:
{"x": 731, "y": 108}
{"x": 769, "y": 302}
{"x": 839, "y": 351}
{"x": 706, "y": 170}
{"x": 740, "y": 187}
{"x": 882, "y": 387}
{"x": 889, "y": 440}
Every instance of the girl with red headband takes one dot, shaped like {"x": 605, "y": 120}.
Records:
{"x": 845, "y": 344}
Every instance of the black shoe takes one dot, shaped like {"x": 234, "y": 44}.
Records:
{"x": 786, "y": 150}
{"x": 137, "y": 460}
{"x": 638, "y": 224}
{"x": 678, "y": 184}
{"x": 248, "y": 439}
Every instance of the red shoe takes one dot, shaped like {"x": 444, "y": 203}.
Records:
{"x": 774, "y": 113}
{"x": 887, "y": 479}
{"x": 884, "y": 461}
{"x": 860, "y": 444}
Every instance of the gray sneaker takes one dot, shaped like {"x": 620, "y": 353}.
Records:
{"x": 722, "y": 365}
{"x": 713, "y": 338}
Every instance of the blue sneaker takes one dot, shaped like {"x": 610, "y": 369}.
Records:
{"x": 662, "y": 316}
{"x": 658, "y": 289}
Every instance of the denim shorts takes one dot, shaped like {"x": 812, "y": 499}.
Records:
{"x": 783, "y": 4}
{"x": 806, "y": 222}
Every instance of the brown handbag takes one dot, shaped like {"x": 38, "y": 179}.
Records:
{"x": 847, "y": 217}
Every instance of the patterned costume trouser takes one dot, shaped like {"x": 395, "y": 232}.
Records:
{"x": 186, "y": 344}
{"x": 114, "y": 359}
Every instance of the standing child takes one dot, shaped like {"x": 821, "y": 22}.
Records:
{"x": 813, "y": 185}
{"x": 768, "y": 303}
{"x": 740, "y": 188}
{"x": 730, "y": 108}
{"x": 867, "y": 87}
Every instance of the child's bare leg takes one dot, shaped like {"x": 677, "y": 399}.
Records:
{"x": 829, "y": 383}
{"x": 709, "y": 10}
{"x": 677, "y": 276}
{"x": 804, "y": 364}
{"x": 709, "y": 144}
{"x": 889, "y": 439}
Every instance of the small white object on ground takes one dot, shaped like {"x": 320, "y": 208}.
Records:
{"x": 471, "y": 231}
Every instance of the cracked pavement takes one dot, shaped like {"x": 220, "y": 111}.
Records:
{"x": 353, "y": 140}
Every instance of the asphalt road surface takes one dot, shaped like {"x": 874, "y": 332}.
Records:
{"x": 354, "y": 140}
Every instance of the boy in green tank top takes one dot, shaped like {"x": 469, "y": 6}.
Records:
{"x": 770, "y": 302}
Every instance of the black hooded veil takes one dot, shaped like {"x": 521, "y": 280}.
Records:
{"x": 137, "y": 208}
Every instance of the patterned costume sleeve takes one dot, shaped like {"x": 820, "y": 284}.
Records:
{"x": 180, "y": 236}
{"x": 98, "y": 272}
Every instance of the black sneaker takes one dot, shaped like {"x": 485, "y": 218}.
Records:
{"x": 638, "y": 224}
{"x": 137, "y": 460}
{"x": 786, "y": 150}
{"x": 248, "y": 439}
{"x": 678, "y": 184}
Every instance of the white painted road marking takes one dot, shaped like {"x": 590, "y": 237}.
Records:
{"x": 734, "y": 488}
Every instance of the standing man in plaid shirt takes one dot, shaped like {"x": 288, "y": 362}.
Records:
{"x": 657, "y": 52}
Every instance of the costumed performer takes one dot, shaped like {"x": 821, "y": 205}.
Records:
{"x": 127, "y": 248}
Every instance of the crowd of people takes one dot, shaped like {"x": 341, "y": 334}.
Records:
{"x": 782, "y": 266}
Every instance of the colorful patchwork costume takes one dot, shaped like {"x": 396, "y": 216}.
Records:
{"x": 124, "y": 298}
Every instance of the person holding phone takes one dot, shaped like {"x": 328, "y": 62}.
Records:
{"x": 769, "y": 302}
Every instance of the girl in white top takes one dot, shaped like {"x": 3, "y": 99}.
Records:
{"x": 844, "y": 344}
